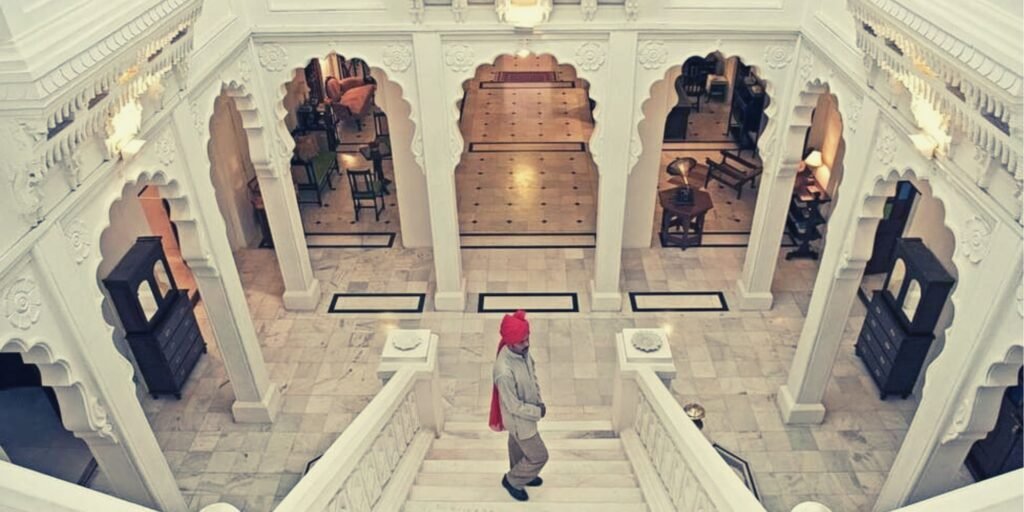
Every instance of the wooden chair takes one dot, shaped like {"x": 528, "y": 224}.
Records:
{"x": 694, "y": 79}
{"x": 366, "y": 187}
{"x": 733, "y": 171}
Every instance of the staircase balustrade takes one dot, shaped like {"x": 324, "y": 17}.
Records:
{"x": 353, "y": 475}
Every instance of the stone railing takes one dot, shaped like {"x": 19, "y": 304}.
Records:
{"x": 1003, "y": 493}
{"x": 677, "y": 467}
{"x": 372, "y": 464}
{"x": 24, "y": 490}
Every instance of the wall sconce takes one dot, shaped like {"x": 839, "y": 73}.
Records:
{"x": 813, "y": 160}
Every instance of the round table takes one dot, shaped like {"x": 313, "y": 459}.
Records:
{"x": 689, "y": 218}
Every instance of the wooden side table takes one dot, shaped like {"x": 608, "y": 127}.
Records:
{"x": 689, "y": 218}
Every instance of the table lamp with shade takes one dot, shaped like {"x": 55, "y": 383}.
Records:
{"x": 812, "y": 162}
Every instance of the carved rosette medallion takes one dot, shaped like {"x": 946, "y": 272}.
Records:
{"x": 975, "y": 244}
{"x": 397, "y": 57}
{"x": 652, "y": 54}
{"x": 885, "y": 146}
{"x": 77, "y": 234}
{"x": 459, "y": 57}
{"x": 591, "y": 56}
{"x": 22, "y": 303}
{"x": 272, "y": 57}
{"x": 777, "y": 57}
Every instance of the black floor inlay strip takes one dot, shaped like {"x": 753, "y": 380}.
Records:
{"x": 653, "y": 302}
{"x": 787, "y": 241}
{"x": 377, "y": 303}
{"x": 555, "y": 302}
{"x": 741, "y": 467}
{"x": 360, "y": 240}
{"x": 532, "y": 147}
{"x": 560, "y": 84}
{"x": 529, "y": 240}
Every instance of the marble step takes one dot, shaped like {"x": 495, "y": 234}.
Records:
{"x": 554, "y": 466}
{"x": 508, "y": 505}
{"x": 544, "y": 494}
{"x": 584, "y": 429}
{"x": 502, "y": 454}
{"x": 550, "y": 479}
{"x": 501, "y": 443}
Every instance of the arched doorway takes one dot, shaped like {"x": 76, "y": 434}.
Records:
{"x": 526, "y": 177}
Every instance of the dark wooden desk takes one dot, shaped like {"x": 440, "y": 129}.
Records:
{"x": 688, "y": 218}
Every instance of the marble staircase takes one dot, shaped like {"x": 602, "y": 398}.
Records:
{"x": 588, "y": 471}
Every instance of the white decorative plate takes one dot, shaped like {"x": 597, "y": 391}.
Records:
{"x": 407, "y": 340}
{"x": 646, "y": 341}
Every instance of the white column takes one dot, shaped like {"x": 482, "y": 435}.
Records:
{"x": 272, "y": 160}
{"x": 952, "y": 414}
{"x": 835, "y": 289}
{"x": 126, "y": 448}
{"x": 612, "y": 159}
{"x": 435, "y": 123}
{"x": 643, "y": 178}
{"x": 775, "y": 187}
{"x": 257, "y": 400}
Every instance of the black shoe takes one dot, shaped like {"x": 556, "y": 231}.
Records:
{"x": 518, "y": 494}
{"x": 536, "y": 482}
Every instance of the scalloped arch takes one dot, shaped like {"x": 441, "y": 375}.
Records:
{"x": 556, "y": 51}
{"x": 770, "y": 111}
{"x": 296, "y": 63}
{"x": 81, "y": 413}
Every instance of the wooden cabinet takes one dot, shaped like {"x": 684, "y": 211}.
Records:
{"x": 901, "y": 318}
{"x": 160, "y": 325}
{"x": 748, "y": 103}
{"x": 1000, "y": 452}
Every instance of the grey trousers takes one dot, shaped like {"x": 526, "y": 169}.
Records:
{"x": 526, "y": 457}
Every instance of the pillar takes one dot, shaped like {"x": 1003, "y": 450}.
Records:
{"x": 775, "y": 187}
{"x": 835, "y": 287}
{"x": 124, "y": 445}
{"x": 208, "y": 253}
{"x": 450, "y": 294}
{"x": 986, "y": 323}
{"x": 272, "y": 162}
{"x": 613, "y": 170}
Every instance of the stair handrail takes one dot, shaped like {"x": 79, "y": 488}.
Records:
{"x": 1001, "y": 493}
{"x": 693, "y": 474}
{"x": 353, "y": 472}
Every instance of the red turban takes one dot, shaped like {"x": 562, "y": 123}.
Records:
{"x": 514, "y": 329}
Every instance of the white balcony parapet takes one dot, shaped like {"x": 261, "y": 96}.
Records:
{"x": 1004, "y": 493}
{"x": 979, "y": 96}
{"x": 371, "y": 465}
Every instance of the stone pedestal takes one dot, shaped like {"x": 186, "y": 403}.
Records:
{"x": 649, "y": 347}
{"x": 403, "y": 347}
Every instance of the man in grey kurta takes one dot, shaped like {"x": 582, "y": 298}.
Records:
{"x": 515, "y": 378}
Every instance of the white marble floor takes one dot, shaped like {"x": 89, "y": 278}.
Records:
{"x": 731, "y": 362}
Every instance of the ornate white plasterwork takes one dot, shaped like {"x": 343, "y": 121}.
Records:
{"x": 397, "y": 57}
{"x": 459, "y": 8}
{"x": 459, "y": 57}
{"x": 165, "y": 148}
{"x": 777, "y": 57}
{"x": 853, "y": 114}
{"x": 885, "y": 145}
{"x": 806, "y": 66}
{"x": 976, "y": 239}
{"x": 22, "y": 304}
{"x": 416, "y": 11}
{"x": 590, "y": 56}
{"x": 589, "y": 9}
{"x": 244, "y": 68}
{"x": 632, "y": 8}
{"x": 272, "y": 56}
{"x": 78, "y": 236}
{"x": 652, "y": 54}
{"x": 1020, "y": 300}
